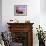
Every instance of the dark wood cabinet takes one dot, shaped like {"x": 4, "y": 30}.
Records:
{"x": 22, "y": 33}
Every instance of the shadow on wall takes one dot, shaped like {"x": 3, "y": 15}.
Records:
{"x": 0, "y": 15}
{"x": 43, "y": 6}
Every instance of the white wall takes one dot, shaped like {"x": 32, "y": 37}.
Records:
{"x": 43, "y": 6}
{"x": 33, "y": 10}
{"x": 43, "y": 14}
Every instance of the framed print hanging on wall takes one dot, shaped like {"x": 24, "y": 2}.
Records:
{"x": 20, "y": 10}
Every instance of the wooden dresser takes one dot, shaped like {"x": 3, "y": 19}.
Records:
{"x": 22, "y": 33}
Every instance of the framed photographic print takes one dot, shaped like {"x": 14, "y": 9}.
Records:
{"x": 20, "y": 10}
